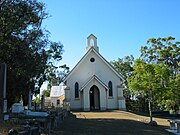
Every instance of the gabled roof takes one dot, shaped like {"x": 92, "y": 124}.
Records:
{"x": 94, "y": 77}
{"x": 91, "y": 35}
{"x": 101, "y": 57}
{"x": 57, "y": 91}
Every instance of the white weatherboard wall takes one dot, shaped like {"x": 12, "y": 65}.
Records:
{"x": 97, "y": 73}
{"x": 56, "y": 93}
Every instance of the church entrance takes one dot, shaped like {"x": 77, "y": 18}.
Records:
{"x": 94, "y": 98}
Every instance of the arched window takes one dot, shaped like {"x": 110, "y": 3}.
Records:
{"x": 76, "y": 90}
{"x": 110, "y": 89}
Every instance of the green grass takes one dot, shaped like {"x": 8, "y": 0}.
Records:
{"x": 111, "y": 123}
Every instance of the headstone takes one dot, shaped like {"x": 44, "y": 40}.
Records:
{"x": 17, "y": 108}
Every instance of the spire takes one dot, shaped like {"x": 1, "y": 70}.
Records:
{"x": 92, "y": 41}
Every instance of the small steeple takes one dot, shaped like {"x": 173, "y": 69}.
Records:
{"x": 92, "y": 41}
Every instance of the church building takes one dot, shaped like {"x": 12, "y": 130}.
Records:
{"x": 93, "y": 84}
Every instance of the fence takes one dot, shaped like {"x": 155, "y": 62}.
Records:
{"x": 37, "y": 125}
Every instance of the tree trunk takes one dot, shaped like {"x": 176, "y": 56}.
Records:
{"x": 150, "y": 111}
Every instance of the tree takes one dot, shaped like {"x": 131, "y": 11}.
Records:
{"x": 46, "y": 93}
{"x": 26, "y": 48}
{"x": 170, "y": 100}
{"x": 148, "y": 81}
{"x": 124, "y": 66}
{"x": 165, "y": 51}
{"x": 162, "y": 50}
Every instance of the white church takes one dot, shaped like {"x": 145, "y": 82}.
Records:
{"x": 93, "y": 84}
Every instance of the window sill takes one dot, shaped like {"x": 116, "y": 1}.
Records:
{"x": 76, "y": 98}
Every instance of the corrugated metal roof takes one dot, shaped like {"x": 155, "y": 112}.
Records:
{"x": 57, "y": 91}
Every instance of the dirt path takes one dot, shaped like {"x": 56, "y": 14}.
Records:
{"x": 110, "y": 123}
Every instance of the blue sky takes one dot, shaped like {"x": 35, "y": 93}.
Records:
{"x": 121, "y": 26}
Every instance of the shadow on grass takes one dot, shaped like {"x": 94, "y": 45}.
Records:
{"x": 77, "y": 126}
{"x": 162, "y": 116}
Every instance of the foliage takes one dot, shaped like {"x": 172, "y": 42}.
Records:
{"x": 26, "y": 48}
{"x": 37, "y": 100}
{"x": 154, "y": 76}
{"x": 46, "y": 93}
{"x": 143, "y": 79}
{"x": 148, "y": 81}
{"x": 124, "y": 66}
{"x": 171, "y": 99}
{"x": 166, "y": 51}
{"x": 57, "y": 75}
{"x": 162, "y": 50}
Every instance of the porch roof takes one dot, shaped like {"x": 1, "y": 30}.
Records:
{"x": 94, "y": 77}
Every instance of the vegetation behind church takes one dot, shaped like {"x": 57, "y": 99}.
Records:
{"x": 153, "y": 76}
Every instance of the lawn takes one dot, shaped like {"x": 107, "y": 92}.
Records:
{"x": 104, "y": 123}
{"x": 111, "y": 123}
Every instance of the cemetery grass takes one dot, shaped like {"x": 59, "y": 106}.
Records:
{"x": 5, "y": 126}
{"x": 103, "y": 123}
{"x": 111, "y": 123}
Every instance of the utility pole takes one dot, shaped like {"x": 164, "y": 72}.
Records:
{"x": 3, "y": 100}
